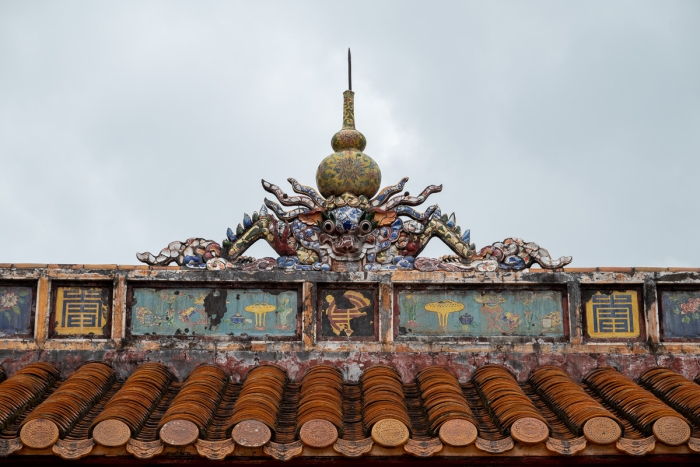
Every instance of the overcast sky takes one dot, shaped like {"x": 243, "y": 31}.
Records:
{"x": 127, "y": 125}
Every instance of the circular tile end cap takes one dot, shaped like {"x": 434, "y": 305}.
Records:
{"x": 111, "y": 433}
{"x": 318, "y": 433}
{"x": 390, "y": 433}
{"x": 671, "y": 430}
{"x": 602, "y": 430}
{"x": 458, "y": 432}
{"x": 529, "y": 430}
{"x": 179, "y": 433}
{"x": 251, "y": 434}
{"x": 39, "y": 434}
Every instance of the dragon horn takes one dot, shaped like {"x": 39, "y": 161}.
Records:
{"x": 285, "y": 199}
{"x": 308, "y": 191}
{"x": 281, "y": 213}
{"x": 388, "y": 192}
{"x": 413, "y": 200}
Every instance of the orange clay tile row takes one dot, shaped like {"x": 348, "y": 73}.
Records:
{"x": 630, "y": 431}
{"x": 149, "y": 431}
{"x": 675, "y": 390}
{"x": 193, "y": 408}
{"x": 23, "y": 389}
{"x": 321, "y": 396}
{"x": 383, "y": 396}
{"x": 57, "y": 415}
{"x": 81, "y": 429}
{"x": 11, "y": 430}
{"x": 509, "y": 406}
{"x": 447, "y": 409}
{"x": 640, "y": 407}
{"x": 133, "y": 404}
{"x": 207, "y": 401}
{"x": 320, "y": 410}
{"x": 583, "y": 414}
{"x": 557, "y": 426}
{"x": 486, "y": 426}
{"x": 260, "y": 396}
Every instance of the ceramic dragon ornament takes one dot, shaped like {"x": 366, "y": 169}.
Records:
{"x": 335, "y": 232}
{"x": 350, "y": 225}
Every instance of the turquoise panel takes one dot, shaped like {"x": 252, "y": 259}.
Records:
{"x": 480, "y": 313}
{"x": 214, "y": 312}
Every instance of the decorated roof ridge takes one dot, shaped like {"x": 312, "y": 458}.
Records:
{"x": 207, "y": 411}
{"x": 349, "y": 224}
{"x": 254, "y": 264}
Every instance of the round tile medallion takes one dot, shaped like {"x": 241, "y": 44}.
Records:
{"x": 390, "y": 433}
{"x": 318, "y": 433}
{"x": 529, "y": 430}
{"x": 39, "y": 434}
{"x": 179, "y": 433}
{"x": 251, "y": 434}
{"x": 671, "y": 430}
{"x": 111, "y": 433}
{"x": 458, "y": 432}
{"x": 602, "y": 430}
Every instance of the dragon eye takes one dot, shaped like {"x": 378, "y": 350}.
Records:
{"x": 329, "y": 226}
{"x": 366, "y": 226}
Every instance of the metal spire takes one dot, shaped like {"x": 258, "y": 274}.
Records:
{"x": 349, "y": 70}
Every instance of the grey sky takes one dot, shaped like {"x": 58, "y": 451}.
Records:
{"x": 126, "y": 125}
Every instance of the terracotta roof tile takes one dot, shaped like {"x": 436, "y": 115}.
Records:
{"x": 493, "y": 402}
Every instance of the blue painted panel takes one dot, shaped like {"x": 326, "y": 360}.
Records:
{"x": 681, "y": 313}
{"x": 480, "y": 313}
{"x": 214, "y": 312}
{"x": 15, "y": 311}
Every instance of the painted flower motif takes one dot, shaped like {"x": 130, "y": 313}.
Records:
{"x": 691, "y": 306}
{"x": 8, "y": 300}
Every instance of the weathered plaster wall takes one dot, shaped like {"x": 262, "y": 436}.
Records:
{"x": 575, "y": 353}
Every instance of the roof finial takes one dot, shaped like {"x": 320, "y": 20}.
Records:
{"x": 349, "y": 70}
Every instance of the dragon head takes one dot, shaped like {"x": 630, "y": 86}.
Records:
{"x": 345, "y": 231}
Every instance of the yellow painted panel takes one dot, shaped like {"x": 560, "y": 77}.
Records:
{"x": 81, "y": 311}
{"x": 613, "y": 315}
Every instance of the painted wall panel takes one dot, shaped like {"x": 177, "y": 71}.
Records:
{"x": 350, "y": 314}
{"x": 681, "y": 313}
{"x": 82, "y": 311}
{"x": 214, "y": 312}
{"x": 613, "y": 314}
{"x": 16, "y": 304}
{"x": 480, "y": 313}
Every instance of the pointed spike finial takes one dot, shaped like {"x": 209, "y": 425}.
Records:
{"x": 349, "y": 70}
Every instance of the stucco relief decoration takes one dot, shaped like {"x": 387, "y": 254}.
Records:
{"x": 349, "y": 224}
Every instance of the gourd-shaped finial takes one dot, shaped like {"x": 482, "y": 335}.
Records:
{"x": 348, "y": 169}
